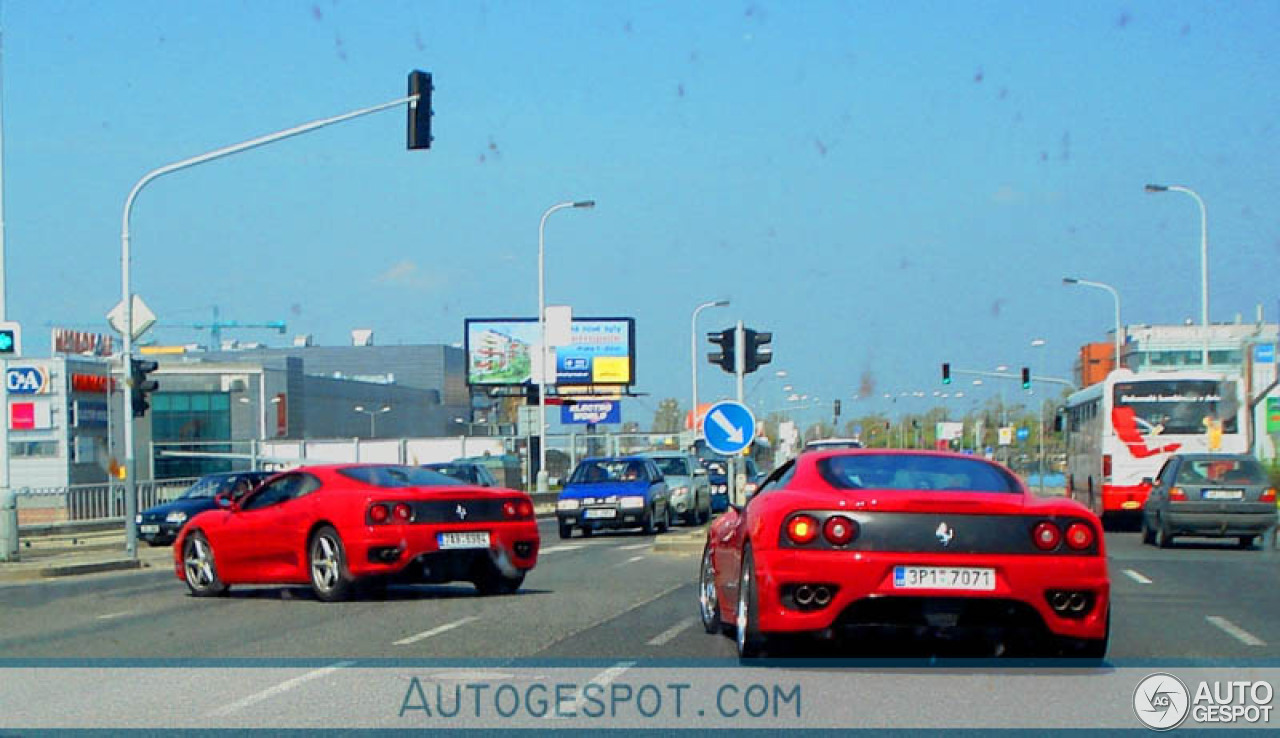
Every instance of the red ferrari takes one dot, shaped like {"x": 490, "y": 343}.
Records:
{"x": 849, "y": 543}
{"x": 336, "y": 526}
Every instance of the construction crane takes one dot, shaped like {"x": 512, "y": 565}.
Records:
{"x": 214, "y": 326}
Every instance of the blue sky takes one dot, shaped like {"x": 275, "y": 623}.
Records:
{"x": 884, "y": 186}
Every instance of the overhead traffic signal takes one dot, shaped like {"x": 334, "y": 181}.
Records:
{"x": 946, "y": 373}
{"x": 1026, "y": 378}
{"x": 9, "y": 340}
{"x": 140, "y": 387}
{"x": 756, "y": 352}
{"x": 725, "y": 356}
{"x": 835, "y": 408}
{"x": 420, "y": 110}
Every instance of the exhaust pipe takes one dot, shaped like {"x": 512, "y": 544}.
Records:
{"x": 1078, "y": 602}
{"x": 821, "y": 596}
{"x": 804, "y": 595}
{"x": 1059, "y": 601}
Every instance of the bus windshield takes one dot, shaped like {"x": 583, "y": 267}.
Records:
{"x": 1179, "y": 406}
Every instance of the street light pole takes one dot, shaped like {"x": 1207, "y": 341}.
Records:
{"x": 693, "y": 358}
{"x": 1115, "y": 296}
{"x": 1204, "y": 260}
{"x": 542, "y": 336}
{"x": 373, "y": 426}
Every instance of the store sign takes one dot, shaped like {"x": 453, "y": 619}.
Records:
{"x": 591, "y": 412}
{"x": 27, "y": 380}
{"x": 35, "y": 415}
{"x": 89, "y": 414}
{"x": 90, "y": 383}
{"x": 66, "y": 341}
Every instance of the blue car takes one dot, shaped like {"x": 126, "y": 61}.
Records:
{"x": 720, "y": 481}
{"x": 160, "y": 525}
{"x": 614, "y": 492}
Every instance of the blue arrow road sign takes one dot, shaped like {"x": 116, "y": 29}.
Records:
{"x": 1023, "y": 434}
{"x": 729, "y": 427}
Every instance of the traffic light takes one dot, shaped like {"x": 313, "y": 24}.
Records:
{"x": 420, "y": 111}
{"x": 946, "y": 373}
{"x": 1026, "y": 378}
{"x": 835, "y": 408}
{"x": 9, "y": 340}
{"x": 140, "y": 386}
{"x": 725, "y": 356}
{"x": 756, "y": 351}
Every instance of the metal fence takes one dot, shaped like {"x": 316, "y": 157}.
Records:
{"x": 93, "y": 502}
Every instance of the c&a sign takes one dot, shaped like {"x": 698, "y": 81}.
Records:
{"x": 27, "y": 380}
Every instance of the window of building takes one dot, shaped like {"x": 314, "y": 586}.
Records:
{"x": 33, "y": 449}
{"x": 191, "y": 421}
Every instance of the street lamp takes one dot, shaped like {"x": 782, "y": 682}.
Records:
{"x": 373, "y": 414}
{"x": 693, "y": 358}
{"x": 1114, "y": 296}
{"x": 1204, "y": 259}
{"x": 542, "y": 336}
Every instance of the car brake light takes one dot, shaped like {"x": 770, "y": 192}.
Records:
{"x": 839, "y": 530}
{"x": 1106, "y": 465}
{"x": 402, "y": 512}
{"x": 524, "y": 509}
{"x": 802, "y": 529}
{"x": 517, "y": 509}
{"x": 1177, "y": 495}
{"x": 379, "y": 513}
{"x": 508, "y": 509}
{"x": 1079, "y": 536}
{"x": 1046, "y": 536}
{"x": 1269, "y": 495}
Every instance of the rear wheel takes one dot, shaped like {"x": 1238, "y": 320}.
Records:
{"x": 495, "y": 583}
{"x": 327, "y": 562}
{"x": 1148, "y": 535}
{"x": 750, "y": 641}
{"x": 199, "y": 568}
{"x": 1163, "y": 536}
{"x": 708, "y": 599}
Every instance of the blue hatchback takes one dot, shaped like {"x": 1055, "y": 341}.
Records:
{"x": 614, "y": 492}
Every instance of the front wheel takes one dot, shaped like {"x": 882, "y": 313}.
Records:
{"x": 750, "y": 641}
{"x": 327, "y": 562}
{"x": 566, "y": 530}
{"x": 199, "y": 567}
{"x": 665, "y": 525}
{"x": 708, "y": 598}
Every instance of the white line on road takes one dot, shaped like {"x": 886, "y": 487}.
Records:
{"x": 667, "y": 635}
{"x": 1135, "y": 576}
{"x": 114, "y": 615}
{"x": 555, "y": 549}
{"x": 631, "y": 560}
{"x": 603, "y": 679}
{"x": 634, "y": 546}
{"x": 1235, "y": 631}
{"x": 436, "y": 630}
{"x": 280, "y": 688}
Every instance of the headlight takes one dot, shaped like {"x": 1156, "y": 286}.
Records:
{"x": 679, "y": 491}
{"x": 632, "y": 501}
{"x": 566, "y": 504}
{"x": 176, "y": 517}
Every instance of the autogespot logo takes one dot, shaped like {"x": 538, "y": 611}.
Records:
{"x": 1161, "y": 701}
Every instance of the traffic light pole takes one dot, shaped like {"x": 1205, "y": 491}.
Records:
{"x": 739, "y": 367}
{"x": 126, "y": 357}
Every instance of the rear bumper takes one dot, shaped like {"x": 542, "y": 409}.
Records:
{"x": 1116, "y": 498}
{"x": 1219, "y": 523}
{"x": 863, "y": 581}
{"x": 385, "y": 550}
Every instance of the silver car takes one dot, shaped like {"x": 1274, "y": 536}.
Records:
{"x": 688, "y": 483}
{"x": 1217, "y": 495}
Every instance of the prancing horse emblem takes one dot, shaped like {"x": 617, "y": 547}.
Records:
{"x": 461, "y": 511}
{"x": 944, "y": 533}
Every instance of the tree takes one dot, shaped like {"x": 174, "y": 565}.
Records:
{"x": 669, "y": 418}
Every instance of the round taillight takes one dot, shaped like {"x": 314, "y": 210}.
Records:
{"x": 524, "y": 509}
{"x": 379, "y": 513}
{"x": 802, "y": 529}
{"x": 1046, "y": 536}
{"x": 509, "y": 509}
{"x": 402, "y": 512}
{"x": 839, "y": 530}
{"x": 1079, "y": 536}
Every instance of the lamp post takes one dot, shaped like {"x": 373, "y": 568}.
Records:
{"x": 1114, "y": 296}
{"x": 542, "y": 336}
{"x": 1204, "y": 260}
{"x": 373, "y": 414}
{"x": 1040, "y": 344}
{"x": 693, "y": 357}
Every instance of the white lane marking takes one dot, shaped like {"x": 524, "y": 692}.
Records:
{"x": 280, "y": 688}
{"x": 670, "y": 633}
{"x": 555, "y": 549}
{"x": 1235, "y": 631}
{"x": 631, "y": 560}
{"x": 1135, "y": 576}
{"x": 603, "y": 679}
{"x": 114, "y": 615}
{"x": 634, "y": 546}
{"x": 436, "y": 630}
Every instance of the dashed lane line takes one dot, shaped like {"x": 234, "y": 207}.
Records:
{"x": 1136, "y": 576}
{"x": 602, "y": 680}
{"x": 278, "y": 689}
{"x": 1235, "y": 631}
{"x": 669, "y": 634}
{"x": 436, "y": 630}
{"x": 631, "y": 560}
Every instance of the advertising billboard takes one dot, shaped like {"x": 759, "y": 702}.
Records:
{"x": 503, "y": 351}
{"x": 591, "y": 412}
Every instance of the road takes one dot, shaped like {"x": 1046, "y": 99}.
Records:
{"x": 610, "y": 597}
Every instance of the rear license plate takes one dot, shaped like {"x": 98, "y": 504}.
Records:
{"x": 1222, "y": 494}
{"x": 472, "y": 539}
{"x": 603, "y": 513}
{"x": 944, "y": 577}
{"x": 149, "y": 528}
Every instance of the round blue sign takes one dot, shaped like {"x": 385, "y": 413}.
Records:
{"x": 729, "y": 427}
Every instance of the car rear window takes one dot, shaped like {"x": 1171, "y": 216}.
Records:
{"x": 1221, "y": 471}
{"x": 907, "y": 472}
{"x": 393, "y": 477}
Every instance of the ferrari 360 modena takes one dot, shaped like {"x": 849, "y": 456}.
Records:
{"x": 845, "y": 544}
{"x": 336, "y": 527}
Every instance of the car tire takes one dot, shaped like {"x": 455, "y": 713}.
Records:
{"x": 1246, "y": 541}
{"x": 495, "y": 583}
{"x": 750, "y": 641}
{"x": 1163, "y": 538}
{"x": 666, "y": 523}
{"x": 1089, "y": 649}
{"x": 566, "y": 531}
{"x": 708, "y": 597}
{"x": 588, "y": 532}
{"x": 1148, "y": 535}
{"x": 648, "y": 526}
{"x": 327, "y": 566}
{"x": 199, "y": 568}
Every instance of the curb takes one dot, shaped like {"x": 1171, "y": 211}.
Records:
{"x": 69, "y": 570}
{"x": 691, "y": 541}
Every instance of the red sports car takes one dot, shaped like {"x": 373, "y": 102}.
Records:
{"x": 335, "y": 526}
{"x": 838, "y": 543}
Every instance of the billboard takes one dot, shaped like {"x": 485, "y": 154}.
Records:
{"x": 503, "y": 351}
{"x": 591, "y": 412}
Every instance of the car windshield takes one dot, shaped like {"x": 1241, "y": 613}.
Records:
{"x": 1221, "y": 471}
{"x": 673, "y": 466}
{"x": 909, "y": 472}
{"x": 398, "y": 476}
{"x": 599, "y": 471}
{"x": 210, "y": 486}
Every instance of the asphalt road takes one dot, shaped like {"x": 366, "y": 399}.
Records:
{"x": 611, "y": 597}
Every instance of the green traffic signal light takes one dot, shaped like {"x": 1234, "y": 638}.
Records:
{"x": 1026, "y": 378}
{"x": 8, "y": 343}
{"x": 946, "y": 373}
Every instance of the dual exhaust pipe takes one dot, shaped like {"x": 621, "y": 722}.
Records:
{"x": 818, "y": 595}
{"x": 1069, "y": 603}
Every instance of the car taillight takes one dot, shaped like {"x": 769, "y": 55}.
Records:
{"x": 524, "y": 509}
{"x": 1269, "y": 495}
{"x": 402, "y": 512}
{"x": 1046, "y": 536}
{"x": 802, "y": 529}
{"x": 379, "y": 513}
{"x": 839, "y": 530}
{"x": 1079, "y": 536}
{"x": 1177, "y": 494}
{"x": 1106, "y": 465}
{"x": 517, "y": 509}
